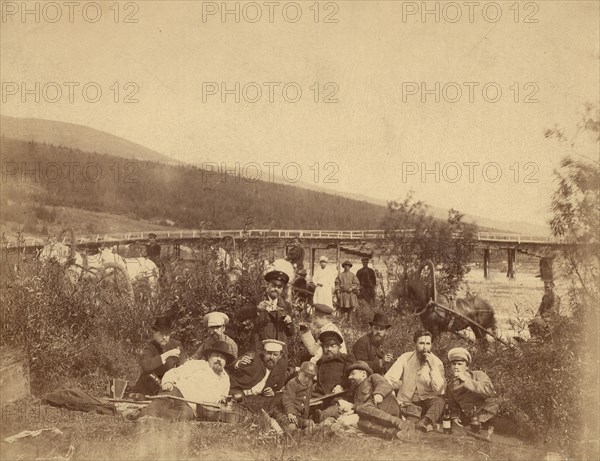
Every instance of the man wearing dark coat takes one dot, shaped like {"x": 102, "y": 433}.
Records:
{"x": 368, "y": 281}
{"x": 257, "y": 378}
{"x": 153, "y": 249}
{"x": 270, "y": 313}
{"x": 369, "y": 347}
{"x": 160, "y": 355}
{"x": 296, "y": 255}
{"x": 374, "y": 402}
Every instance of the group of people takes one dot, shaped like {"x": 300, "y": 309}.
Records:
{"x": 346, "y": 287}
{"x": 362, "y": 386}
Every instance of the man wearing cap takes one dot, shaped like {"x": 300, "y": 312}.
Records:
{"x": 548, "y": 313}
{"x": 160, "y": 355}
{"x": 296, "y": 398}
{"x": 346, "y": 289}
{"x": 200, "y": 381}
{"x": 322, "y": 320}
{"x": 374, "y": 402}
{"x": 272, "y": 315}
{"x": 419, "y": 378}
{"x": 215, "y": 323}
{"x": 299, "y": 287}
{"x": 296, "y": 255}
{"x": 369, "y": 347}
{"x": 257, "y": 379}
{"x": 368, "y": 281}
{"x": 153, "y": 249}
{"x": 324, "y": 279}
{"x": 469, "y": 389}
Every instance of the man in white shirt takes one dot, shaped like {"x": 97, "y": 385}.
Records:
{"x": 419, "y": 378}
{"x": 324, "y": 278}
{"x": 198, "y": 381}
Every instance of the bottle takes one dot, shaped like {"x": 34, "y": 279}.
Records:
{"x": 475, "y": 424}
{"x": 446, "y": 420}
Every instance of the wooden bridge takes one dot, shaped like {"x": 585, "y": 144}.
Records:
{"x": 285, "y": 234}
{"x": 354, "y": 241}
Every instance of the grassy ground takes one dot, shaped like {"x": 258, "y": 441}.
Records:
{"x": 97, "y": 437}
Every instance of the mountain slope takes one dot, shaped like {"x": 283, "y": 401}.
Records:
{"x": 76, "y": 137}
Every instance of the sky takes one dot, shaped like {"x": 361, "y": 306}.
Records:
{"x": 446, "y": 99}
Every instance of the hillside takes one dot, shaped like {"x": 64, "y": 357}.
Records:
{"x": 77, "y": 137}
{"x": 154, "y": 192}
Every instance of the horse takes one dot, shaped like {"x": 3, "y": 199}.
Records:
{"x": 137, "y": 269}
{"x": 436, "y": 319}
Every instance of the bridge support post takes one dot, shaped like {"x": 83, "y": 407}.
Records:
{"x": 512, "y": 256}
{"x": 313, "y": 255}
{"x": 486, "y": 263}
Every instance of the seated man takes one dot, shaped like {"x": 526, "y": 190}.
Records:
{"x": 469, "y": 389}
{"x": 203, "y": 381}
{"x": 369, "y": 347}
{"x": 257, "y": 382}
{"x": 374, "y": 402}
{"x": 322, "y": 320}
{"x": 331, "y": 372}
{"x": 216, "y": 322}
{"x": 419, "y": 378}
{"x": 160, "y": 355}
{"x": 296, "y": 398}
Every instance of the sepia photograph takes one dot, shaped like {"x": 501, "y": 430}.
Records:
{"x": 300, "y": 230}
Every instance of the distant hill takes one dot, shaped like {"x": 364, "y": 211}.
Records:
{"x": 155, "y": 192}
{"x": 76, "y": 137}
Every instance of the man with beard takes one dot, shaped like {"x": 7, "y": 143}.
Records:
{"x": 215, "y": 323}
{"x": 322, "y": 320}
{"x": 257, "y": 379}
{"x": 160, "y": 355}
{"x": 270, "y": 312}
{"x": 369, "y": 347}
{"x": 331, "y": 372}
{"x": 202, "y": 381}
{"x": 374, "y": 402}
{"x": 419, "y": 378}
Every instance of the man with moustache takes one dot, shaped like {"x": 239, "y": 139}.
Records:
{"x": 270, "y": 313}
{"x": 215, "y": 323}
{"x": 257, "y": 379}
{"x": 419, "y": 378}
{"x": 160, "y": 355}
{"x": 202, "y": 381}
{"x": 374, "y": 402}
{"x": 331, "y": 372}
{"x": 369, "y": 347}
{"x": 322, "y": 320}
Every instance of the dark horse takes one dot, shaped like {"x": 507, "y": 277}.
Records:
{"x": 436, "y": 319}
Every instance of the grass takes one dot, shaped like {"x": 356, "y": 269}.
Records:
{"x": 97, "y": 437}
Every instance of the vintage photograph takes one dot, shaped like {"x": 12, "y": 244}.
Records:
{"x": 300, "y": 230}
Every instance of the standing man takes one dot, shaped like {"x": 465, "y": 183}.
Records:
{"x": 197, "y": 380}
{"x": 296, "y": 255}
{"x": 346, "y": 288}
{"x": 324, "y": 279}
{"x": 299, "y": 287}
{"x": 257, "y": 379}
{"x": 153, "y": 249}
{"x": 419, "y": 378}
{"x": 368, "y": 281}
{"x": 270, "y": 312}
{"x": 215, "y": 323}
{"x": 160, "y": 355}
{"x": 369, "y": 347}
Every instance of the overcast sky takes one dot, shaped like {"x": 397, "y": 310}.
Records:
{"x": 373, "y": 61}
